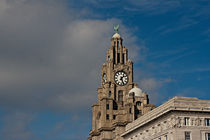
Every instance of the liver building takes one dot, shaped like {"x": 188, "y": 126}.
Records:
{"x": 119, "y": 100}
{"x": 123, "y": 111}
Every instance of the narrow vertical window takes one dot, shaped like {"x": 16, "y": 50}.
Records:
{"x": 207, "y": 122}
{"x": 114, "y": 56}
{"x": 114, "y": 117}
{"x": 118, "y": 57}
{"x": 109, "y": 58}
{"x": 110, "y": 93}
{"x": 187, "y": 135}
{"x": 187, "y": 121}
{"x": 130, "y": 111}
{"x": 207, "y": 136}
{"x": 123, "y": 59}
{"x": 120, "y": 96}
{"x": 98, "y": 115}
{"x": 115, "y": 105}
{"x": 107, "y": 116}
{"x": 107, "y": 106}
{"x": 166, "y": 137}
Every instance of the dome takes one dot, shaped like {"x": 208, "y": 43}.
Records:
{"x": 137, "y": 92}
{"x": 116, "y": 35}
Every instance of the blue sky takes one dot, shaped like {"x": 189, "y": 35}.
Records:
{"x": 51, "y": 52}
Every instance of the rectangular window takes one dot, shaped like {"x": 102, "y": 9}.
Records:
{"x": 120, "y": 95}
{"x": 118, "y": 57}
{"x": 187, "y": 121}
{"x": 130, "y": 111}
{"x": 123, "y": 59}
{"x": 207, "y": 136}
{"x": 107, "y": 116}
{"x": 109, "y": 58}
{"x": 107, "y": 106}
{"x": 114, "y": 59}
{"x": 187, "y": 135}
{"x": 207, "y": 122}
{"x": 114, "y": 117}
{"x": 115, "y": 105}
{"x": 110, "y": 93}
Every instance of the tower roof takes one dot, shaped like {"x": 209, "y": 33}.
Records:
{"x": 137, "y": 92}
{"x": 116, "y": 35}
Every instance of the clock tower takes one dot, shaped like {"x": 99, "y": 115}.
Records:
{"x": 119, "y": 100}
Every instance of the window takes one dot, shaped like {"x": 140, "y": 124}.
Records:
{"x": 187, "y": 121}
{"x": 130, "y": 110}
{"x": 115, "y": 107}
{"x": 138, "y": 103}
{"x": 207, "y": 122}
{"x": 123, "y": 59}
{"x": 118, "y": 57}
{"x": 166, "y": 137}
{"x": 114, "y": 117}
{"x": 114, "y": 56}
{"x": 107, "y": 106}
{"x": 107, "y": 116}
{"x": 207, "y": 136}
{"x": 110, "y": 93}
{"x": 120, "y": 96}
{"x": 109, "y": 58}
{"x": 98, "y": 115}
{"x": 187, "y": 135}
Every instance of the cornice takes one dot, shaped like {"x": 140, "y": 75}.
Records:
{"x": 174, "y": 104}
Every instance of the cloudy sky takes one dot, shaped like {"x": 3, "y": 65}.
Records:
{"x": 51, "y": 52}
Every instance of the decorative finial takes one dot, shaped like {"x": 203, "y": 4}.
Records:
{"x": 116, "y": 28}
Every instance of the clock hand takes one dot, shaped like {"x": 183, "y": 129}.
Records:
{"x": 121, "y": 78}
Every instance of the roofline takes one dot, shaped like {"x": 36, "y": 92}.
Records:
{"x": 188, "y": 104}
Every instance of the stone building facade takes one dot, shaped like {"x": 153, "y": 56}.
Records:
{"x": 180, "y": 118}
{"x": 119, "y": 100}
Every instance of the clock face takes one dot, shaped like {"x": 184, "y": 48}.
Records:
{"x": 104, "y": 79}
{"x": 121, "y": 78}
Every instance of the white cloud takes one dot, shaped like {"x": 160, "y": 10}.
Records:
{"x": 49, "y": 58}
{"x": 152, "y": 86}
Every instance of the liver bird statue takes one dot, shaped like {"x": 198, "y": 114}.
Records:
{"x": 116, "y": 28}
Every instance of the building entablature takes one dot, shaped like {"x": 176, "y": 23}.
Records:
{"x": 184, "y": 104}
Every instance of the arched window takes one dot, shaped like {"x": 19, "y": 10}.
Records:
{"x": 138, "y": 103}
